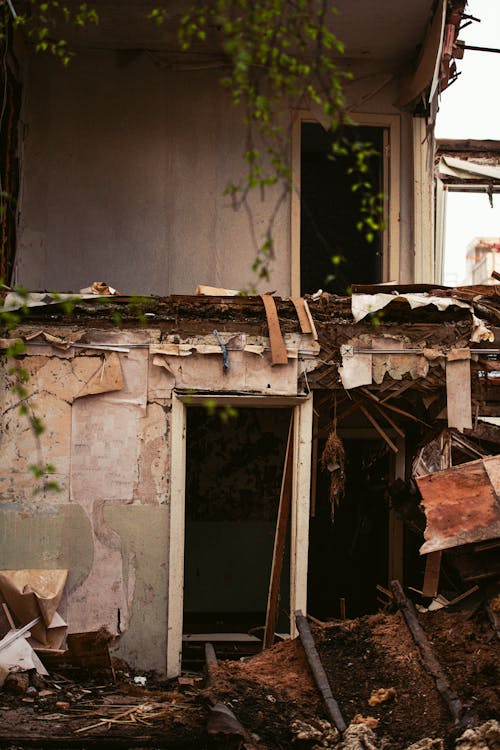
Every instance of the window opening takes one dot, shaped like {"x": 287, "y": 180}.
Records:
{"x": 330, "y": 211}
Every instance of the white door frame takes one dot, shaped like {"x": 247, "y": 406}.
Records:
{"x": 299, "y": 537}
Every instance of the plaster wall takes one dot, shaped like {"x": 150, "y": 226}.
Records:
{"x": 107, "y": 419}
{"x": 124, "y": 168}
{"x": 108, "y": 524}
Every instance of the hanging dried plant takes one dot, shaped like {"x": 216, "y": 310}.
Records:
{"x": 333, "y": 461}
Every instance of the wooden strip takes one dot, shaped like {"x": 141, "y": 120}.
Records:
{"x": 384, "y": 591}
{"x": 392, "y": 423}
{"x": 314, "y": 464}
{"x": 210, "y": 662}
{"x": 405, "y": 414}
{"x": 317, "y": 622}
{"x": 279, "y": 542}
{"x": 318, "y": 671}
{"x": 8, "y": 616}
{"x": 340, "y": 418}
{"x": 431, "y": 576}
{"x": 311, "y": 321}
{"x": 428, "y": 658}
{"x": 462, "y": 596}
{"x": 219, "y": 638}
{"x": 379, "y": 429}
{"x": 397, "y": 392}
{"x": 458, "y": 393}
{"x": 299, "y": 304}
{"x": 278, "y": 348}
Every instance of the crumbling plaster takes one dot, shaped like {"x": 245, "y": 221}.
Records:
{"x": 109, "y": 523}
{"x": 111, "y": 452}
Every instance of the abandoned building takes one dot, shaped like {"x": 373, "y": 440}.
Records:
{"x": 224, "y": 461}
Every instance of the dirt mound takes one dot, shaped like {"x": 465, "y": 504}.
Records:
{"x": 385, "y": 695}
{"x": 273, "y": 690}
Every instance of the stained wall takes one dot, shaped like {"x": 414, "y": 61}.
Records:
{"x": 106, "y": 414}
{"x": 124, "y": 168}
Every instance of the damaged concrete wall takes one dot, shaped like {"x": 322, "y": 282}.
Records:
{"x": 107, "y": 433}
{"x": 125, "y": 165}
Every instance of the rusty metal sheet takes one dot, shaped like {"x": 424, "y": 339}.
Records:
{"x": 461, "y": 504}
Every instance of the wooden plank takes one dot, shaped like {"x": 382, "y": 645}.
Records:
{"x": 432, "y": 572}
{"x": 428, "y": 657}
{"x": 395, "y": 562}
{"x": 90, "y": 650}
{"x": 459, "y": 598}
{"x": 314, "y": 464}
{"x": 279, "y": 542}
{"x": 277, "y": 343}
{"x": 391, "y": 422}
{"x": 219, "y": 638}
{"x": 299, "y": 535}
{"x": 458, "y": 392}
{"x": 305, "y": 323}
{"x": 311, "y": 321}
{"x": 378, "y": 428}
{"x": 318, "y": 671}
{"x": 176, "y": 537}
{"x": 8, "y": 616}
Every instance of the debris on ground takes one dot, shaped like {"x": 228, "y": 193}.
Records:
{"x": 270, "y": 701}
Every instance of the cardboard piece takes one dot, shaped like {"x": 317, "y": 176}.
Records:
{"x": 34, "y": 593}
{"x": 107, "y": 377}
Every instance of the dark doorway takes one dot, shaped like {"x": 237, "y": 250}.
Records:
{"x": 234, "y": 467}
{"x": 347, "y": 558}
{"x": 330, "y": 211}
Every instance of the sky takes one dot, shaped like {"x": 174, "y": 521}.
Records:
{"x": 470, "y": 108}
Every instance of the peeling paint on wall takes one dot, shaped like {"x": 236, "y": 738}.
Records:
{"x": 56, "y": 537}
{"x": 144, "y": 534}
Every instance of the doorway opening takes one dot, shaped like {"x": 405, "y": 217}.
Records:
{"x": 348, "y": 556}
{"x": 330, "y": 211}
{"x": 234, "y": 468}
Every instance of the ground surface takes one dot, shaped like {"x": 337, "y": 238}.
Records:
{"x": 271, "y": 692}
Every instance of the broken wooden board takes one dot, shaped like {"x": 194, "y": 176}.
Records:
{"x": 432, "y": 571}
{"x": 90, "y": 650}
{"x": 458, "y": 389}
{"x": 461, "y": 504}
{"x": 279, "y": 542}
{"x": 278, "y": 348}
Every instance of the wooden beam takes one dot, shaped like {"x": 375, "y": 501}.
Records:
{"x": 299, "y": 304}
{"x": 432, "y": 571}
{"x": 210, "y": 662}
{"x": 379, "y": 429}
{"x": 279, "y": 354}
{"x": 392, "y": 423}
{"x": 314, "y": 464}
{"x": 458, "y": 389}
{"x": 320, "y": 676}
{"x": 279, "y": 542}
{"x": 429, "y": 660}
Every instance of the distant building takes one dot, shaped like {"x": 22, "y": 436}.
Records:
{"x": 482, "y": 259}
